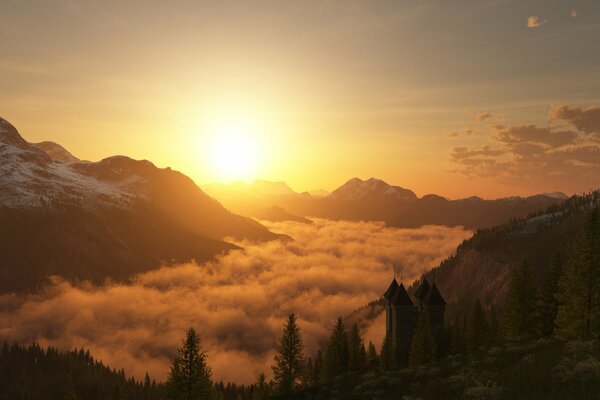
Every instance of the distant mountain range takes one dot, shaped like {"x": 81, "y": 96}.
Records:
{"x": 91, "y": 220}
{"x": 374, "y": 199}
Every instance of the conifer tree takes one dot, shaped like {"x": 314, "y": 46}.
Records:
{"x": 387, "y": 358}
{"x": 423, "y": 347}
{"x": 355, "y": 344}
{"x": 372, "y": 359}
{"x": 477, "y": 328}
{"x": 289, "y": 360}
{"x": 189, "y": 378}
{"x": 520, "y": 316}
{"x": 261, "y": 388}
{"x": 337, "y": 352}
{"x": 549, "y": 297}
{"x": 579, "y": 293}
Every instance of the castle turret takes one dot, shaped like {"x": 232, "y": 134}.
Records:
{"x": 422, "y": 291}
{"x": 435, "y": 306}
{"x": 400, "y": 315}
{"x": 389, "y": 312}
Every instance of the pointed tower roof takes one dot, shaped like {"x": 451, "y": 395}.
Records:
{"x": 423, "y": 289}
{"x": 434, "y": 297}
{"x": 389, "y": 294}
{"x": 401, "y": 297}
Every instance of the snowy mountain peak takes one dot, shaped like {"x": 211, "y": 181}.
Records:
{"x": 372, "y": 189}
{"x": 56, "y": 152}
{"x": 10, "y": 136}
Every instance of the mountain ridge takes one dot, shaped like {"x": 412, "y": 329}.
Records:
{"x": 107, "y": 219}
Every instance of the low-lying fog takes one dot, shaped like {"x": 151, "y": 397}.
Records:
{"x": 237, "y": 303}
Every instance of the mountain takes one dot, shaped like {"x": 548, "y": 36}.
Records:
{"x": 56, "y": 152}
{"x": 374, "y": 199}
{"x": 480, "y": 269}
{"x": 371, "y": 190}
{"x": 92, "y": 220}
{"x": 258, "y": 199}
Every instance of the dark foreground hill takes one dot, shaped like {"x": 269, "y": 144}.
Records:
{"x": 92, "y": 220}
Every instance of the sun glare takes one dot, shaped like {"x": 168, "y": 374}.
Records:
{"x": 234, "y": 150}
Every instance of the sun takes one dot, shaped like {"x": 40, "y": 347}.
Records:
{"x": 235, "y": 150}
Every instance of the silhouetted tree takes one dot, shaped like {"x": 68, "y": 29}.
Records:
{"x": 261, "y": 388}
{"x": 478, "y": 329}
{"x": 423, "y": 347}
{"x": 549, "y": 297}
{"x": 387, "y": 355}
{"x": 579, "y": 294}
{"x": 520, "y": 316}
{"x": 357, "y": 353}
{"x": 372, "y": 359}
{"x": 337, "y": 352}
{"x": 189, "y": 378}
{"x": 289, "y": 360}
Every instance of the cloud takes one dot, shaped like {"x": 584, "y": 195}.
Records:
{"x": 533, "y": 21}
{"x": 481, "y": 117}
{"x": 237, "y": 303}
{"x": 543, "y": 156}
{"x": 452, "y": 134}
{"x": 584, "y": 119}
{"x": 573, "y": 13}
{"x": 534, "y": 134}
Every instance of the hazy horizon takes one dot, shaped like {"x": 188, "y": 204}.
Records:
{"x": 493, "y": 98}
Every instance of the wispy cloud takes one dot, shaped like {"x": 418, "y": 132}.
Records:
{"x": 553, "y": 156}
{"x": 533, "y": 21}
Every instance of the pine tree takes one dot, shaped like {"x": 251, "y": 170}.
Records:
{"x": 189, "y": 378}
{"x": 579, "y": 288}
{"x": 549, "y": 297}
{"x": 477, "y": 328}
{"x": 372, "y": 359}
{"x": 261, "y": 388}
{"x": 387, "y": 356}
{"x": 355, "y": 356}
{"x": 337, "y": 352}
{"x": 423, "y": 347}
{"x": 520, "y": 317}
{"x": 289, "y": 360}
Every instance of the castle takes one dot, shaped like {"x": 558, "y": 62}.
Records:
{"x": 402, "y": 313}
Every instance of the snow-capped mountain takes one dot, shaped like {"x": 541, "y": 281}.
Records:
{"x": 29, "y": 177}
{"x": 92, "y": 220}
{"x": 56, "y": 152}
{"x": 371, "y": 190}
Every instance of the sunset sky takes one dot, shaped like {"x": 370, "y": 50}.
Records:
{"x": 458, "y": 98}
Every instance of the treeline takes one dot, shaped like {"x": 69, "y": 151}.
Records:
{"x": 32, "y": 372}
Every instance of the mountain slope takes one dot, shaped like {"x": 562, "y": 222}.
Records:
{"x": 481, "y": 267}
{"x": 111, "y": 218}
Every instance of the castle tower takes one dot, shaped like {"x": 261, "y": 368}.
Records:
{"x": 435, "y": 306}
{"x": 422, "y": 292}
{"x": 400, "y": 316}
{"x": 389, "y": 312}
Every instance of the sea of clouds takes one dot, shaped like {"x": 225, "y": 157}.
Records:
{"x": 237, "y": 303}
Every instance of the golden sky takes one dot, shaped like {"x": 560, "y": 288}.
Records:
{"x": 491, "y": 98}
